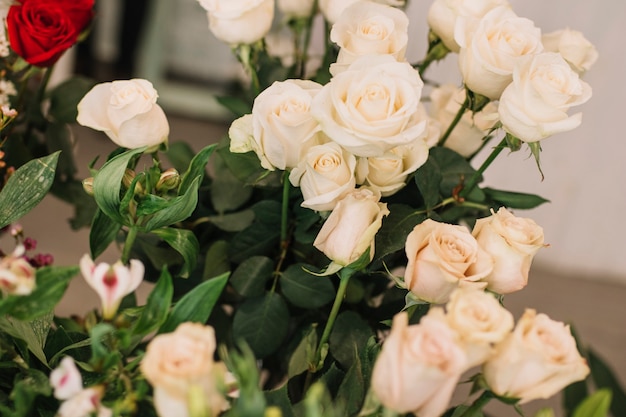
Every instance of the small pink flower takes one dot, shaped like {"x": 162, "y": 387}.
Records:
{"x": 66, "y": 379}
{"x": 112, "y": 282}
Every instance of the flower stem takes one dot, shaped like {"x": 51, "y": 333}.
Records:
{"x": 467, "y": 189}
{"x": 128, "y": 244}
{"x": 478, "y": 404}
{"x": 284, "y": 217}
{"x": 455, "y": 121}
{"x": 344, "y": 278}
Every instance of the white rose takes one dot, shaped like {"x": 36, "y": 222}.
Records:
{"x": 489, "y": 51}
{"x": 126, "y": 111}
{"x": 442, "y": 257}
{"x": 282, "y": 126}
{"x": 180, "y": 364}
{"x": 239, "y": 21}
{"x": 537, "y": 360}
{"x": 512, "y": 242}
{"x": 332, "y": 9}
{"x": 443, "y": 15}
{"x": 296, "y": 8}
{"x": 467, "y": 136}
{"x": 388, "y": 173}
{"x": 351, "y": 227}
{"x": 535, "y": 105}
{"x": 418, "y": 367}
{"x": 372, "y": 107}
{"x": 368, "y": 28}
{"x": 573, "y": 46}
{"x": 325, "y": 175}
{"x": 479, "y": 320}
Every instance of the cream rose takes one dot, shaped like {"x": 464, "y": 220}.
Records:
{"x": 180, "y": 367}
{"x": 467, "y": 136}
{"x": 512, "y": 242}
{"x": 443, "y": 15}
{"x": 325, "y": 175}
{"x": 372, "y": 107}
{"x": 332, "y": 9}
{"x": 388, "y": 173}
{"x": 480, "y": 322}
{"x": 350, "y": 229}
{"x": 490, "y": 50}
{"x": 239, "y": 21}
{"x": 126, "y": 111}
{"x": 282, "y": 126}
{"x": 537, "y": 360}
{"x": 368, "y": 28}
{"x": 441, "y": 258}
{"x": 418, "y": 367}
{"x": 296, "y": 8}
{"x": 573, "y": 46}
{"x": 536, "y": 103}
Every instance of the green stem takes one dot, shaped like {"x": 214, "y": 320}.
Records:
{"x": 128, "y": 244}
{"x": 455, "y": 121}
{"x": 467, "y": 189}
{"x": 344, "y": 278}
{"x": 284, "y": 217}
{"x": 478, "y": 404}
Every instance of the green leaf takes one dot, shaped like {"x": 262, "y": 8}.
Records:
{"x": 157, "y": 306}
{"x": 33, "y": 333}
{"x": 396, "y": 227}
{"x": 349, "y": 333}
{"x": 453, "y": 167}
{"x": 305, "y": 290}
{"x": 233, "y": 222}
{"x": 573, "y": 395}
{"x": 103, "y": 232}
{"x": 59, "y": 138}
{"x": 107, "y": 184}
{"x": 514, "y": 199}
{"x": 352, "y": 389}
{"x": 245, "y": 166}
{"x": 262, "y": 237}
{"x": 27, "y": 386}
{"x": 605, "y": 378}
{"x": 304, "y": 353}
{"x": 280, "y": 398}
{"x": 184, "y": 242}
{"x": 428, "y": 177}
{"x": 180, "y": 155}
{"x": 227, "y": 191}
{"x": 216, "y": 261}
{"x": 196, "y": 169}
{"x": 238, "y": 106}
{"x": 26, "y": 188}
{"x": 100, "y": 352}
{"x": 251, "y": 276}
{"x": 545, "y": 412}
{"x": 52, "y": 282}
{"x": 176, "y": 209}
{"x": 596, "y": 405}
{"x": 262, "y": 322}
{"x": 196, "y": 305}
{"x": 65, "y": 97}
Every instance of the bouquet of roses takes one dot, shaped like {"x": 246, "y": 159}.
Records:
{"x": 342, "y": 258}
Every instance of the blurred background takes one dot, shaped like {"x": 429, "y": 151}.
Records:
{"x": 580, "y": 278}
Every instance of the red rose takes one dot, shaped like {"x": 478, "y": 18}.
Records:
{"x": 41, "y": 30}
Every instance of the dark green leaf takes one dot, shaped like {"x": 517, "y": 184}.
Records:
{"x": 227, "y": 191}
{"x": 262, "y": 322}
{"x": 350, "y": 333}
{"x": 262, "y": 237}
{"x": 246, "y": 166}
{"x": 33, "y": 333}
{"x": 238, "y": 106}
{"x": 251, "y": 276}
{"x": 26, "y": 188}
{"x": 103, "y": 232}
{"x": 196, "y": 305}
{"x": 184, "y": 242}
{"x": 396, "y": 227}
{"x": 234, "y": 222}
{"x": 352, "y": 389}
{"x": 51, "y": 284}
{"x": 428, "y": 177}
{"x": 596, "y": 405}
{"x": 304, "y": 353}
{"x": 216, "y": 261}
{"x": 514, "y": 199}
{"x": 180, "y": 155}
{"x": 454, "y": 168}
{"x": 176, "y": 210}
{"x": 604, "y": 377}
{"x": 107, "y": 184}
{"x": 65, "y": 97}
{"x": 280, "y": 398}
{"x": 573, "y": 395}
{"x": 100, "y": 351}
{"x": 196, "y": 169}
{"x": 305, "y": 290}
{"x": 157, "y": 306}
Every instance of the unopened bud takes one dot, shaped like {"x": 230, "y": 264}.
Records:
{"x": 88, "y": 185}
{"x": 169, "y": 180}
{"x": 127, "y": 180}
